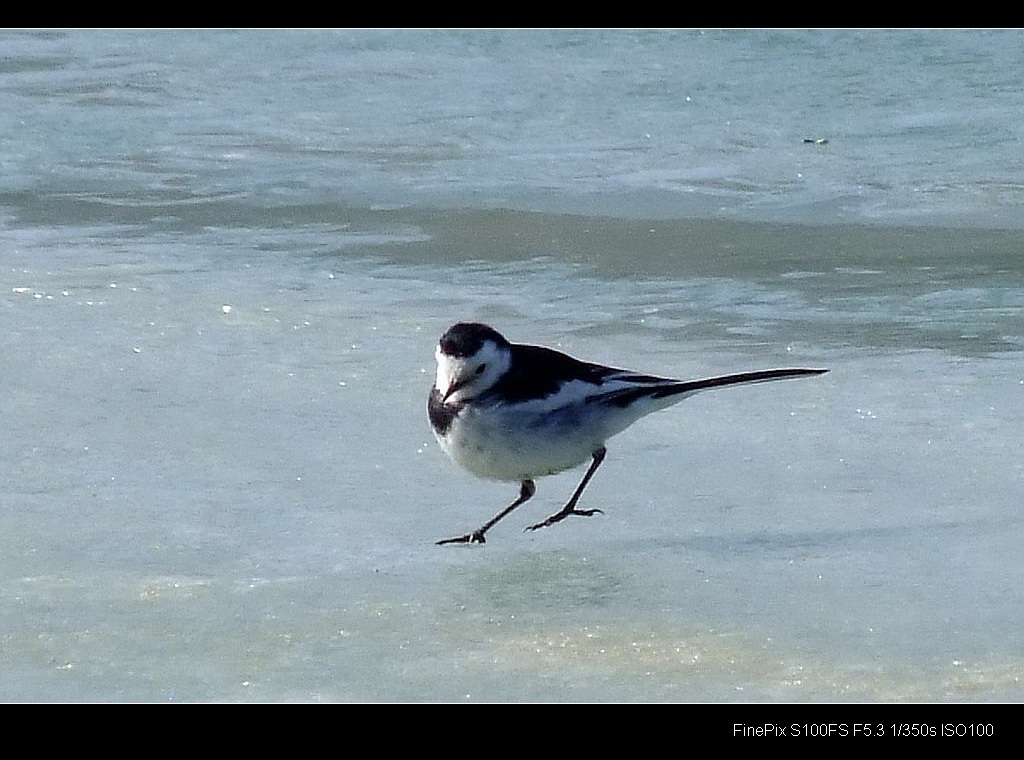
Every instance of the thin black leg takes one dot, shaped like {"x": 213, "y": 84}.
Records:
{"x": 570, "y": 506}
{"x": 526, "y": 490}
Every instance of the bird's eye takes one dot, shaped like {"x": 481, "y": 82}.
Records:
{"x": 480, "y": 369}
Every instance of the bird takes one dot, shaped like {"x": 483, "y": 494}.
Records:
{"x": 516, "y": 412}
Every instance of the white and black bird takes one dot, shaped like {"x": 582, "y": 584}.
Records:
{"x": 513, "y": 412}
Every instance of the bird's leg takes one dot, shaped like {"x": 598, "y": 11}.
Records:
{"x": 570, "y": 506}
{"x": 526, "y": 490}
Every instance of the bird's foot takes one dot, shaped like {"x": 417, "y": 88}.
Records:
{"x": 476, "y": 537}
{"x": 558, "y": 517}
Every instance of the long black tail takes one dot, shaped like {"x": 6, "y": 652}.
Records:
{"x": 740, "y": 378}
{"x": 627, "y": 396}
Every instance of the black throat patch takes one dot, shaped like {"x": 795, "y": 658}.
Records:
{"x": 441, "y": 415}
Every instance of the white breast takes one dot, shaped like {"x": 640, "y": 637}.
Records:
{"x": 500, "y": 443}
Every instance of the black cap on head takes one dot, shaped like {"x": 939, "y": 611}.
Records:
{"x": 466, "y": 338}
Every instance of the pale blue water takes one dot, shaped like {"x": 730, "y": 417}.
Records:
{"x": 226, "y": 257}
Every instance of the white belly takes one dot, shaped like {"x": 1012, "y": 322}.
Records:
{"x": 500, "y": 445}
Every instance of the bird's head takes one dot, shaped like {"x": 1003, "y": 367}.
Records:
{"x": 471, "y": 358}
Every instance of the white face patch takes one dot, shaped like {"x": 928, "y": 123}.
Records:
{"x": 460, "y": 378}
{"x": 447, "y": 371}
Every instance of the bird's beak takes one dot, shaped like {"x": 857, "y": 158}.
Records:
{"x": 456, "y": 384}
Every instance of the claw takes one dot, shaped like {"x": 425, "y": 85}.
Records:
{"x": 476, "y": 537}
{"x": 562, "y": 515}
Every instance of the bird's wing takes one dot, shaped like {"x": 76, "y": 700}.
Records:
{"x": 537, "y": 372}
